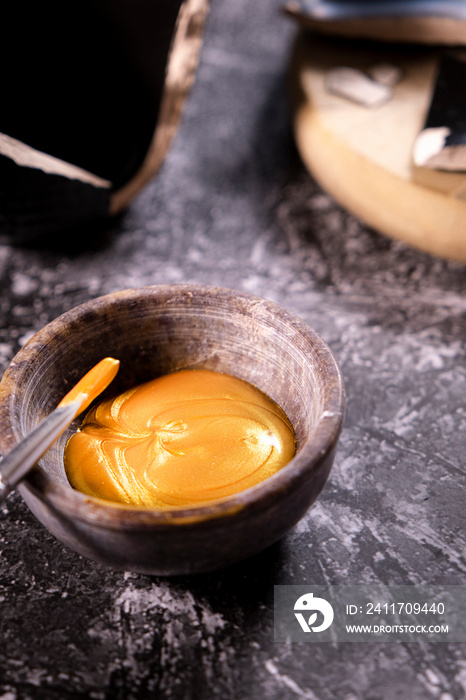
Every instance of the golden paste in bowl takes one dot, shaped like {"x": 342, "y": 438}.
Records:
{"x": 184, "y": 439}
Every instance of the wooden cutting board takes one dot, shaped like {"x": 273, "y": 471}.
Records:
{"x": 363, "y": 156}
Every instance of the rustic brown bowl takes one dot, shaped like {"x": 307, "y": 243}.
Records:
{"x": 155, "y": 330}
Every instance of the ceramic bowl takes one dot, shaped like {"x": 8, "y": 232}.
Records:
{"x": 102, "y": 132}
{"x": 153, "y": 331}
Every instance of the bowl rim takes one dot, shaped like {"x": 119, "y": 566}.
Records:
{"x": 311, "y": 456}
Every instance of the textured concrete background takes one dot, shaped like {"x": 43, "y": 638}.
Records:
{"x": 233, "y": 206}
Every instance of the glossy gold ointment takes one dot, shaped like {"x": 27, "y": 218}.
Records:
{"x": 183, "y": 439}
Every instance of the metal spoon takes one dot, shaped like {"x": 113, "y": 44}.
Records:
{"x": 17, "y": 463}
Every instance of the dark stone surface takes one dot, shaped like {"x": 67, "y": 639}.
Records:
{"x": 233, "y": 206}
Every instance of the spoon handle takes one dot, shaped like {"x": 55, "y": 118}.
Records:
{"x": 22, "y": 458}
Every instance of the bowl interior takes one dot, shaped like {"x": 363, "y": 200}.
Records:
{"x": 157, "y": 330}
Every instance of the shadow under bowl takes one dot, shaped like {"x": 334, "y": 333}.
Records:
{"x": 154, "y": 331}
